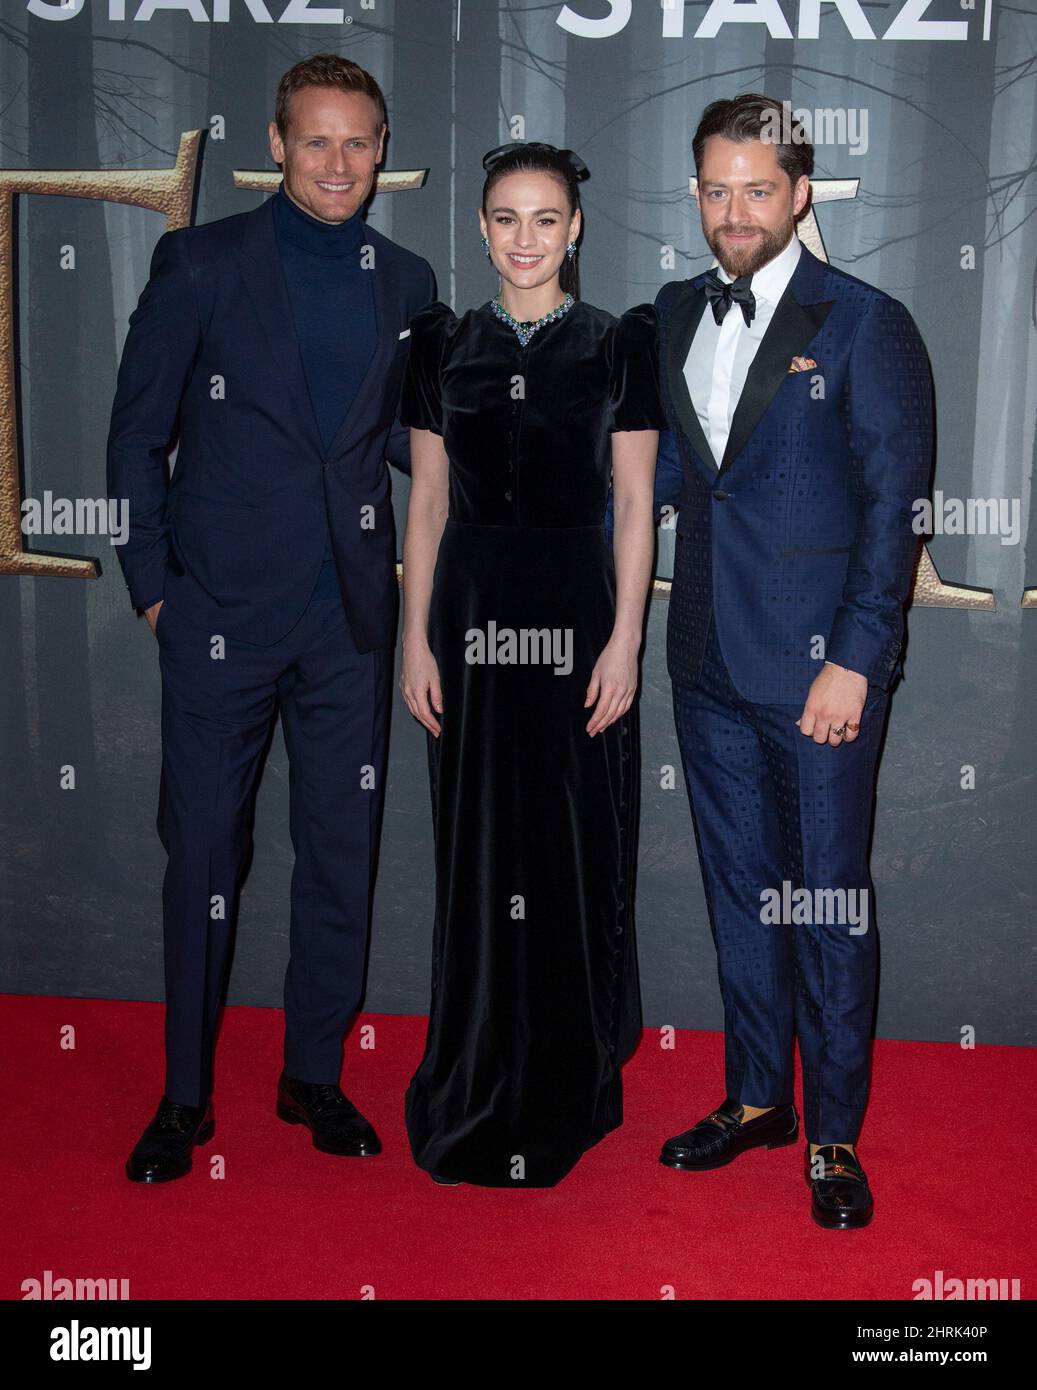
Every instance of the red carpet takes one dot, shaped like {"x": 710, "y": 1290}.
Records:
{"x": 941, "y": 1145}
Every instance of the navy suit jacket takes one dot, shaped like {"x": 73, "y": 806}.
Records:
{"x": 805, "y": 530}
{"x": 235, "y": 541}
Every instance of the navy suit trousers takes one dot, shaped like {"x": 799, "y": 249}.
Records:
{"x": 217, "y": 712}
{"x": 775, "y": 812}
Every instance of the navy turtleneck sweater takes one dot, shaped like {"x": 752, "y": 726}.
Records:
{"x": 332, "y": 301}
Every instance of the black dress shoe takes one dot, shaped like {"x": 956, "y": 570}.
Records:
{"x": 723, "y": 1135}
{"x": 445, "y": 1182}
{"x": 334, "y": 1121}
{"x": 163, "y": 1151}
{"x": 840, "y": 1199}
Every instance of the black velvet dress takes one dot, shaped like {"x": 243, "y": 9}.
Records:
{"x": 535, "y": 999}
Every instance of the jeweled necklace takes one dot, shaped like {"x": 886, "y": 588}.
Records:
{"x": 526, "y": 328}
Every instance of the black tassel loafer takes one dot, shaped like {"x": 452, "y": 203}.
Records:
{"x": 723, "y": 1135}
{"x": 334, "y": 1121}
{"x": 163, "y": 1151}
{"x": 840, "y": 1198}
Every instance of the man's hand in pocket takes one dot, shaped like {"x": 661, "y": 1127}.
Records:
{"x": 152, "y": 614}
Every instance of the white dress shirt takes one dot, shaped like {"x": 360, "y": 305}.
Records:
{"x": 721, "y": 354}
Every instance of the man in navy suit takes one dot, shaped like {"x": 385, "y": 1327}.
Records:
{"x": 273, "y": 343}
{"x": 800, "y": 409}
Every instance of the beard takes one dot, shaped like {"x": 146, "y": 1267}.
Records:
{"x": 749, "y": 257}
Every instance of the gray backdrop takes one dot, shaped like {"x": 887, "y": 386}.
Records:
{"x": 949, "y": 165}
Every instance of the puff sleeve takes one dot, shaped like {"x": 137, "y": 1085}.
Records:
{"x": 634, "y": 398}
{"x": 421, "y": 402}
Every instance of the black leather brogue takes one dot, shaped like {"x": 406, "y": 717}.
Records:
{"x": 840, "y": 1198}
{"x": 723, "y": 1135}
{"x": 164, "y": 1150}
{"x": 334, "y": 1121}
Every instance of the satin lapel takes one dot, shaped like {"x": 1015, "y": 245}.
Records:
{"x": 386, "y": 340}
{"x": 684, "y": 320}
{"x": 788, "y": 333}
{"x": 264, "y": 279}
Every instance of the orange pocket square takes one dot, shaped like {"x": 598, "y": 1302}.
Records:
{"x": 802, "y": 364}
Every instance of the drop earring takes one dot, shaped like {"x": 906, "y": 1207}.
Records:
{"x": 486, "y": 247}
{"x": 570, "y": 250}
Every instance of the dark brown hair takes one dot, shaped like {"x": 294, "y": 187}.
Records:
{"x": 537, "y": 157}
{"x": 745, "y": 118}
{"x": 325, "y": 70}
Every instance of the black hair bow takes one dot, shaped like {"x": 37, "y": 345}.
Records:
{"x": 492, "y": 157}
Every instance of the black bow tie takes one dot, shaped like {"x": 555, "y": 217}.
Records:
{"x": 722, "y": 295}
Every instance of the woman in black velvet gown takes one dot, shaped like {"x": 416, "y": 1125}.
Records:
{"x": 521, "y": 640}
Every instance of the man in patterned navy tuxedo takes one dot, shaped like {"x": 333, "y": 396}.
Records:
{"x": 800, "y": 409}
